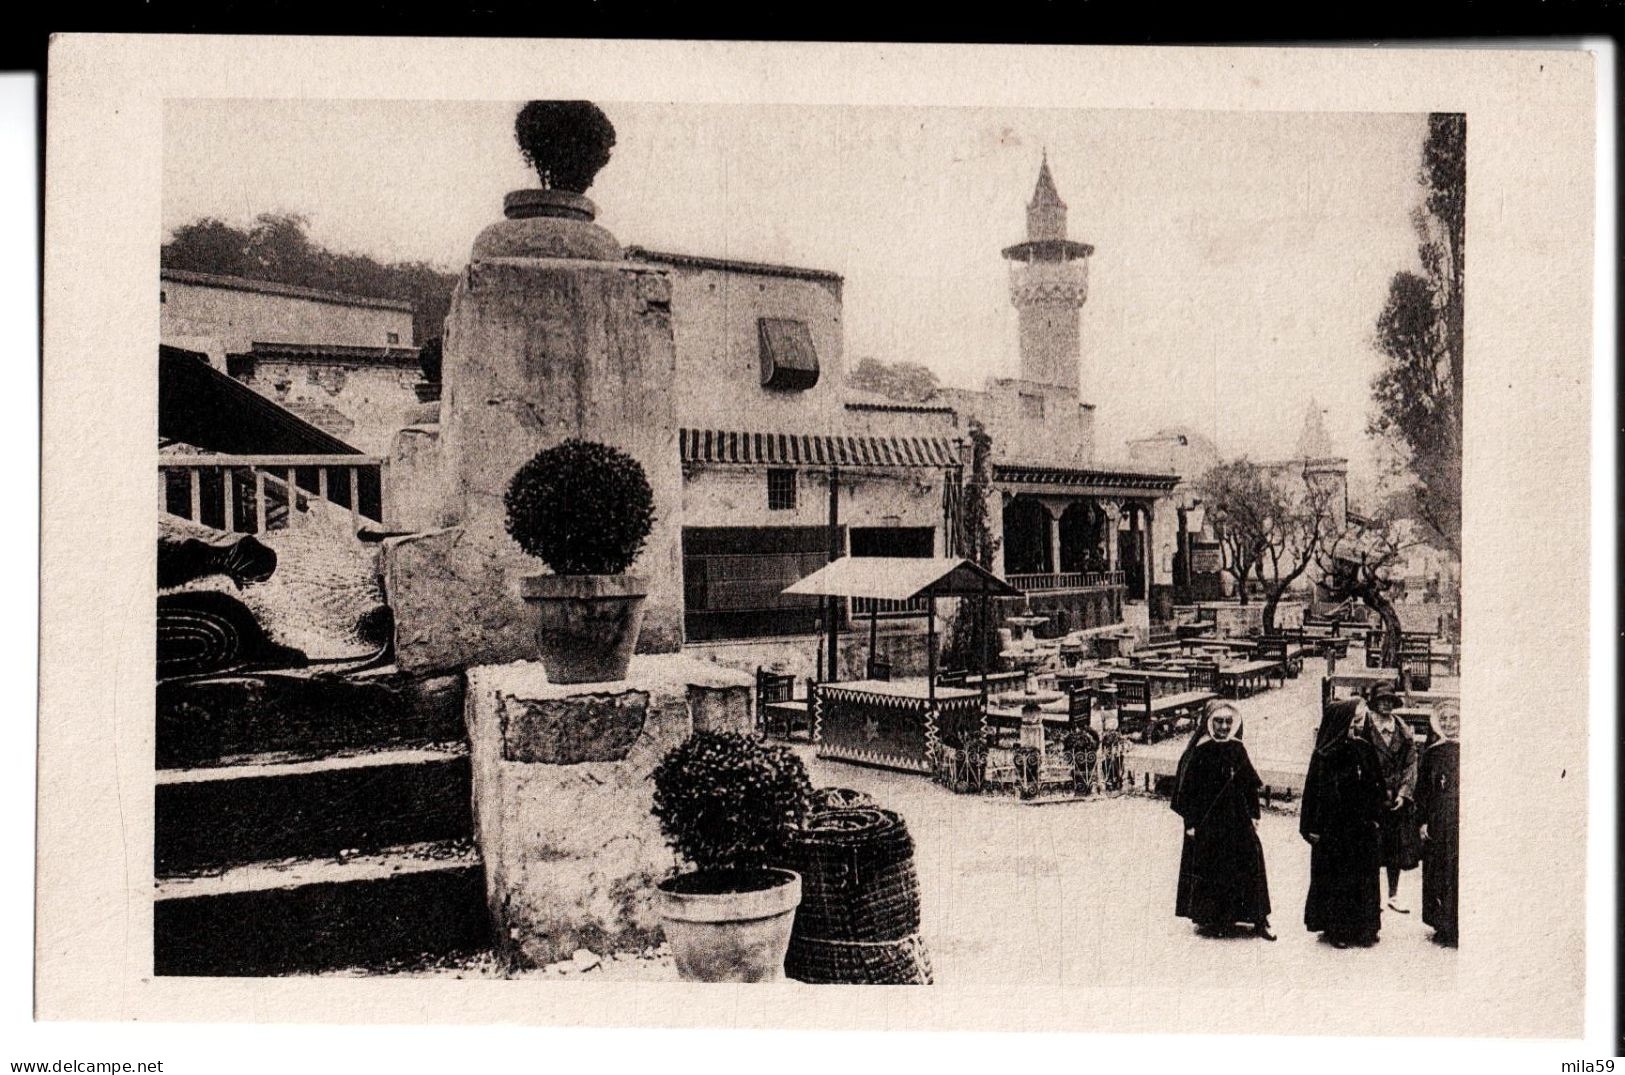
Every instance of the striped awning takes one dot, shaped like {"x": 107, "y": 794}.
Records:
{"x": 811, "y": 449}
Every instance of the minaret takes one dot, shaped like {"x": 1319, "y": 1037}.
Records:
{"x": 1049, "y": 282}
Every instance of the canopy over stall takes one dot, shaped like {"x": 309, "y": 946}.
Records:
{"x": 901, "y": 578}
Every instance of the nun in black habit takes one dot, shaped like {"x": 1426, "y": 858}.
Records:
{"x": 1221, "y": 867}
{"x": 1341, "y": 817}
{"x": 1438, "y": 801}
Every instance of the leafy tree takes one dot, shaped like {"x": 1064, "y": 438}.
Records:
{"x": 1235, "y": 500}
{"x": 906, "y": 382}
{"x": 1359, "y": 561}
{"x": 1418, "y": 393}
{"x": 277, "y": 247}
{"x": 1270, "y": 522}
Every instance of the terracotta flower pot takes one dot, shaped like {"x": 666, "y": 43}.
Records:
{"x": 586, "y": 625}
{"x": 730, "y": 936}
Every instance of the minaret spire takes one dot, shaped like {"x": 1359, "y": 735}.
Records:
{"x": 1049, "y": 282}
{"x": 1045, "y": 193}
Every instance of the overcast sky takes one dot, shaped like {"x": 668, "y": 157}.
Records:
{"x": 1240, "y": 259}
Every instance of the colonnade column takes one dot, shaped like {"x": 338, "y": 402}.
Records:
{"x": 1150, "y": 546}
{"x": 1113, "y": 510}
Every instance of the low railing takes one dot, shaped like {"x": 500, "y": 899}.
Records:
{"x": 249, "y": 494}
{"x": 1066, "y": 580}
{"x": 882, "y": 607}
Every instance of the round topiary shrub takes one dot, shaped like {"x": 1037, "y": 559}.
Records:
{"x": 726, "y": 802}
{"x": 567, "y": 142}
{"x": 581, "y": 507}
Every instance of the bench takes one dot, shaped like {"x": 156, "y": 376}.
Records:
{"x": 992, "y": 679}
{"x": 1156, "y": 718}
{"x": 778, "y": 711}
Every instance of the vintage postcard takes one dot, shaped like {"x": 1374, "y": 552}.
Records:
{"x": 1045, "y": 529}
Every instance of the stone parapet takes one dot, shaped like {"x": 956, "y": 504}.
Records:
{"x": 562, "y": 794}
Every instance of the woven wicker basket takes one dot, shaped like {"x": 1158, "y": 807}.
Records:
{"x": 859, "y": 917}
{"x": 821, "y": 962}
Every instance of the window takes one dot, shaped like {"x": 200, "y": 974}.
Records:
{"x": 781, "y": 490}
{"x": 163, "y": 296}
{"x": 734, "y": 580}
{"x": 394, "y": 337}
{"x": 1032, "y": 406}
{"x": 788, "y": 358}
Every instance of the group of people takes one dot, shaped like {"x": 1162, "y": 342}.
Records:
{"x": 1372, "y": 803}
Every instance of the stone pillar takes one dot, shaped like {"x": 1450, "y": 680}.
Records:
{"x": 995, "y": 500}
{"x": 562, "y": 795}
{"x": 1054, "y": 508}
{"x": 1113, "y": 510}
{"x": 551, "y": 335}
{"x": 1150, "y": 544}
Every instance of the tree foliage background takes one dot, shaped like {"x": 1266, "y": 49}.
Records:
{"x": 277, "y": 247}
{"x": 906, "y": 382}
{"x": 1418, "y": 393}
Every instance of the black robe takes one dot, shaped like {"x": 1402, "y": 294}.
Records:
{"x": 1438, "y": 804}
{"x": 1221, "y": 869}
{"x": 1343, "y": 800}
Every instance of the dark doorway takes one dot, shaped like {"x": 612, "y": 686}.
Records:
{"x": 892, "y": 540}
{"x": 1026, "y": 537}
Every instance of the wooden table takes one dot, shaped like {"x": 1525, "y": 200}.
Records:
{"x": 1249, "y": 674}
{"x": 888, "y": 723}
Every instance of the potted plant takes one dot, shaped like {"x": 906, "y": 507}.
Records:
{"x": 583, "y": 509}
{"x": 725, "y": 803}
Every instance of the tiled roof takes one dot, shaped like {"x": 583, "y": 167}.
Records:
{"x": 268, "y": 287}
{"x": 759, "y": 268}
{"x": 811, "y": 449}
{"x": 899, "y": 408}
{"x": 334, "y": 351}
{"x": 1017, "y": 474}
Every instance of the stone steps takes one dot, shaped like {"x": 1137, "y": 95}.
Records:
{"x": 209, "y": 721}
{"x": 310, "y": 821}
{"x": 400, "y": 906}
{"x": 226, "y": 815}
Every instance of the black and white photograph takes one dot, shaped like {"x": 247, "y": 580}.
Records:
{"x": 632, "y": 539}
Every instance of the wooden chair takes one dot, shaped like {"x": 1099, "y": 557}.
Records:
{"x": 955, "y": 678}
{"x": 1204, "y": 675}
{"x": 1156, "y": 717}
{"x": 879, "y": 668}
{"x": 778, "y": 711}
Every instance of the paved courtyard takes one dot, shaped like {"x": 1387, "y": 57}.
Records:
{"x": 1082, "y": 893}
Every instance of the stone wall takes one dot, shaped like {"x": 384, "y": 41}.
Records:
{"x": 243, "y": 316}
{"x": 363, "y": 403}
{"x": 1029, "y": 422}
{"x": 562, "y": 796}
{"x": 869, "y": 496}
{"x": 714, "y": 323}
{"x": 538, "y": 350}
{"x": 412, "y": 481}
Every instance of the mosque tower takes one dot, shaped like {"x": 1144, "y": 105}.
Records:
{"x": 1049, "y": 281}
